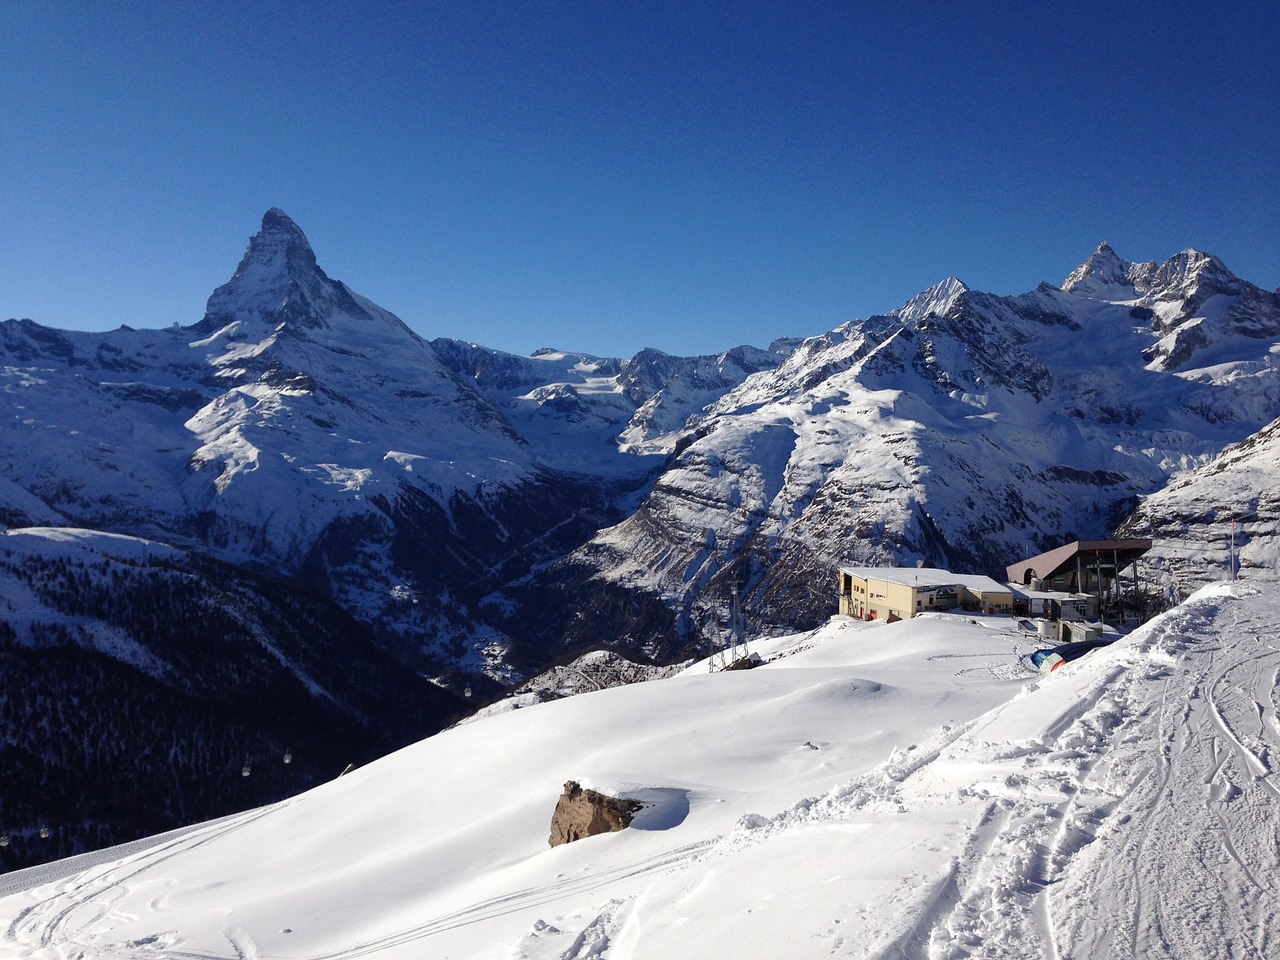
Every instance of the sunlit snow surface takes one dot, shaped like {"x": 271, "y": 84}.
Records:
{"x": 874, "y": 790}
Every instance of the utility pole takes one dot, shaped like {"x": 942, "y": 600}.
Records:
{"x": 1233, "y": 544}
{"x": 735, "y": 647}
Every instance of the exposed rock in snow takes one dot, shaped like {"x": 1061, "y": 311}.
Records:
{"x": 582, "y": 812}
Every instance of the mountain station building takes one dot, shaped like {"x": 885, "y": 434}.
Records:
{"x": 896, "y": 593}
{"x": 1090, "y": 568}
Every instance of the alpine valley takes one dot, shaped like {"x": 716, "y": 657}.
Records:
{"x": 297, "y": 528}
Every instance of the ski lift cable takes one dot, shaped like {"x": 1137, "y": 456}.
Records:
{"x": 45, "y": 828}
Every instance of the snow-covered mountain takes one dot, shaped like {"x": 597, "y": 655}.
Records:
{"x": 580, "y": 412}
{"x": 874, "y": 790}
{"x": 963, "y": 429}
{"x": 483, "y": 510}
{"x": 301, "y": 429}
{"x": 298, "y": 446}
{"x": 481, "y": 516}
{"x": 1223, "y": 512}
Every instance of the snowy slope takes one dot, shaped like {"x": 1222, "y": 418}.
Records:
{"x": 964, "y": 430}
{"x": 1228, "y": 509}
{"x": 874, "y": 790}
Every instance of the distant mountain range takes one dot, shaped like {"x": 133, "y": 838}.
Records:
{"x": 962, "y": 430}
{"x": 303, "y": 463}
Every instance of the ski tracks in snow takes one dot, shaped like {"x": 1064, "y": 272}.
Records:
{"x": 67, "y": 924}
{"x": 1142, "y": 821}
{"x": 1189, "y": 861}
{"x": 1139, "y": 820}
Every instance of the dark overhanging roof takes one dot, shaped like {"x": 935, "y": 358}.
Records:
{"x": 1046, "y": 566}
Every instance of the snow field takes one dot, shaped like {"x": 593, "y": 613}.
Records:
{"x": 873, "y": 790}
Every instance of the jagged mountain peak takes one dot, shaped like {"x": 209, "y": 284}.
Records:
{"x": 937, "y": 300}
{"x": 278, "y": 281}
{"x": 277, "y": 253}
{"x": 1181, "y": 274}
{"x": 1194, "y": 268}
{"x": 281, "y": 238}
{"x": 1104, "y": 267}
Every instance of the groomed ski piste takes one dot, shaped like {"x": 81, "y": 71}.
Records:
{"x": 874, "y": 790}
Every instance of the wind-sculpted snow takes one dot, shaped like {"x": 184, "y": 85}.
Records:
{"x": 872, "y": 790}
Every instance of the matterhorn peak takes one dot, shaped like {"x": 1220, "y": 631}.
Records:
{"x": 277, "y": 280}
{"x": 278, "y": 252}
{"x": 279, "y": 234}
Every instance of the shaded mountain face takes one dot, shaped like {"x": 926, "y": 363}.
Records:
{"x": 1217, "y": 521}
{"x": 963, "y": 430}
{"x": 146, "y": 687}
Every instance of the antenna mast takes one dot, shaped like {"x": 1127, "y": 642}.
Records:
{"x": 730, "y": 651}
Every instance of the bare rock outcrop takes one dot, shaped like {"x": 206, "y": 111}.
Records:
{"x": 581, "y": 812}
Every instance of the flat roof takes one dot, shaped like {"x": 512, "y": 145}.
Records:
{"x": 928, "y": 577}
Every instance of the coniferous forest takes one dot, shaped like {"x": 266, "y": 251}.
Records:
{"x": 220, "y": 691}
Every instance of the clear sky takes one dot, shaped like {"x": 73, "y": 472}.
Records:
{"x": 603, "y": 176}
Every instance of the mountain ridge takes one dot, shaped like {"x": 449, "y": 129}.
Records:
{"x": 484, "y": 515}
{"x": 962, "y": 430}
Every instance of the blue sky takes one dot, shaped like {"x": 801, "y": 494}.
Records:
{"x": 605, "y": 176}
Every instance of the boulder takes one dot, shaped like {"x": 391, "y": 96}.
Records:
{"x": 581, "y": 812}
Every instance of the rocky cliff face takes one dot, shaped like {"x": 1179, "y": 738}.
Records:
{"x": 1219, "y": 521}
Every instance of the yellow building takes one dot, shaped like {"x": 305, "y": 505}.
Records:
{"x": 896, "y": 593}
